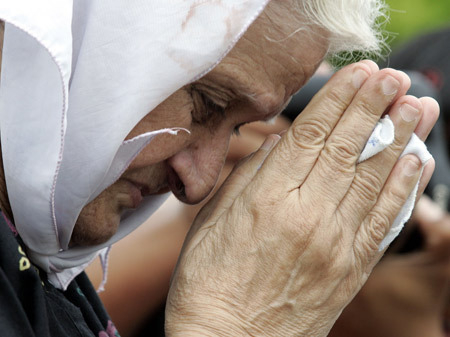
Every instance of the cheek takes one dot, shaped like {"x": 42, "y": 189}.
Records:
{"x": 208, "y": 157}
{"x": 98, "y": 220}
{"x": 160, "y": 148}
{"x": 216, "y": 149}
{"x": 175, "y": 111}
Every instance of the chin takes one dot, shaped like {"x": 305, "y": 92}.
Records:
{"x": 93, "y": 228}
{"x": 99, "y": 220}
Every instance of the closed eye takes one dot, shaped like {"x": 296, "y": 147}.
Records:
{"x": 213, "y": 107}
{"x": 205, "y": 108}
{"x": 236, "y": 131}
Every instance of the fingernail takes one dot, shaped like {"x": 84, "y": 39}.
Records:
{"x": 270, "y": 142}
{"x": 359, "y": 77}
{"x": 408, "y": 112}
{"x": 411, "y": 166}
{"x": 390, "y": 86}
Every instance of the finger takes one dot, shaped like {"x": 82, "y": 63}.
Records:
{"x": 238, "y": 179}
{"x": 300, "y": 146}
{"x": 242, "y": 174}
{"x": 371, "y": 174}
{"x": 372, "y": 65}
{"x": 393, "y": 196}
{"x": 426, "y": 176}
{"x": 429, "y": 117}
{"x": 241, "y": 147}
{"x": 253, "y": 135}
{"x": 266, "y": 128}
{"x": 344, "y": 146}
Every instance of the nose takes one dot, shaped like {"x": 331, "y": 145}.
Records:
{"x": 193, "y": 172}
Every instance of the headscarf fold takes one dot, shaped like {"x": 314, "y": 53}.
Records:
{"x": 77, "y": 76}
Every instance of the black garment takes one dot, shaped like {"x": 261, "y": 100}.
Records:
{"x": 154, "y": 327}
{"x": 31, "y": 306}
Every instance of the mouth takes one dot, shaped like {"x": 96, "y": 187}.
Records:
{"x": 137, "y": 191}
{"x": 134, "y": 194}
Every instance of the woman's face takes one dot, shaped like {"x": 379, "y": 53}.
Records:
{"x": 253, "y": 82}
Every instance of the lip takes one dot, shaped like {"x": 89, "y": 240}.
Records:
{"x": 135, "y": 194}
{"x": 143, "y": 188}
{"x": 140, "y": 190}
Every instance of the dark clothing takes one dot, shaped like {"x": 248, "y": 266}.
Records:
{"x": 31, "y": 306}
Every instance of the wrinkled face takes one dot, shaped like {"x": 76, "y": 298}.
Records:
{"x": 253, "y": 82}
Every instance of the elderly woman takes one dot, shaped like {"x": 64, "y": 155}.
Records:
{"x": 105, "y": 108}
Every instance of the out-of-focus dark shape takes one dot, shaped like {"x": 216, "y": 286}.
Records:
{"x": 430, "y": 55}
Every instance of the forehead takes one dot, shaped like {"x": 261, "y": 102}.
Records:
{"x": 274, "y": 58}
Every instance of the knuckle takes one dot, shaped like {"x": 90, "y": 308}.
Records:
{"x": 310, "y": 133}
{"x": 377, "y": 228}
{"x": 342, "y": 152}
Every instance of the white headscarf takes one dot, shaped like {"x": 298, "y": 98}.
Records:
{"x": 77, "y": 76}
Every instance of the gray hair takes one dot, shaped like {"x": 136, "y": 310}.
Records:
{"x": 353, "y": 25}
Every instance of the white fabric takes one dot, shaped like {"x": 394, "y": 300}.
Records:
{"x": 382, "y": 136}
{"x": 77, "y": 77}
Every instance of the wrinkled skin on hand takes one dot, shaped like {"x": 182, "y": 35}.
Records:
{"x": 293, "y": 233}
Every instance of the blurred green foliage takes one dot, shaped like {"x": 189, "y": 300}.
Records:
{"x": 409, "y": 18}
{"x": 406, "y": 19}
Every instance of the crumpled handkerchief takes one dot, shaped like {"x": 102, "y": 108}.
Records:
{"x": 381, "y": 137}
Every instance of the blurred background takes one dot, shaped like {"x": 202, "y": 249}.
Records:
{"x": 416, "y": 17}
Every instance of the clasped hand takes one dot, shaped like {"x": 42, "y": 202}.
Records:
{"x": 294, "y": 231}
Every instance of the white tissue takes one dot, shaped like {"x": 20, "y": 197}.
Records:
{"x": 382, "y": 136}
